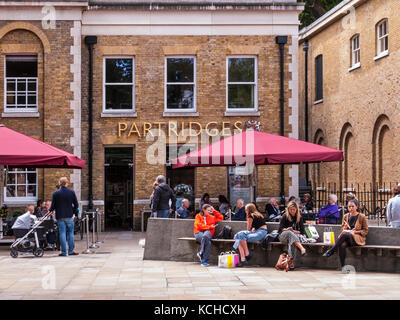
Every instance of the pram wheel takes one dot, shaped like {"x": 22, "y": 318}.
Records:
{"x": 38, "y": 252}
{"x": 14, "y": 253}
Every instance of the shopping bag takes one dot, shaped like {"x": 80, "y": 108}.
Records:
{"x": 228, "y": 260}
{"x": 312, "y": 232}
{"x": 329, "y": 237}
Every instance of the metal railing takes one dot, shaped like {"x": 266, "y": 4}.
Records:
{"x": 92, "y": 221}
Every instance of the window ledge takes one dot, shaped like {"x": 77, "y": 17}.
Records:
{"x": 319, "y": 101}
{"x": 119, "y": 115}
{"x": 20, "y": 115}
{"x": 19, "y": 203}
{"x": 356, "y": 66}
{"x": 180, "y": 114}
{"x": 241, "y": 113}
{"x": 382, "y": 55}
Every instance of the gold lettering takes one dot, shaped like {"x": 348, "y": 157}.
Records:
{"x": 190, "y": 128}
{"x": 183, "y": 128}
{"x": 225, "y": 128}
{"x": 238, "y": 128}
{"x": 215, "y": 130}
{"x": 134, "y": 129}
{"x": 146, "y": 128}
{"x": 172, "y": 125}
{"x": 159, "y": 127}
{"x": 122, "y": 126}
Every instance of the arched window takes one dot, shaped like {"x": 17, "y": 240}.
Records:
{"x": 382, "y": 38}
{"x": 355, "y": 51}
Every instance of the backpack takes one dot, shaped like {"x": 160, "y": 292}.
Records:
{"x": 270, "y": 237}
{"x": 225, "y": 233}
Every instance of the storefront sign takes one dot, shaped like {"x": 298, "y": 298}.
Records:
{"x": 178, "y": 128}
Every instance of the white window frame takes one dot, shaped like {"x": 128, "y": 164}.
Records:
{"x": 166, "y": 83}
{"x": 379, "y": 38}
{"x": 16, "y": 79}
{"x": 22, "y": 199}
{"x": 133, "y": 110}
{"x": 355, "y": 52}
{"x": 239, "y": 110}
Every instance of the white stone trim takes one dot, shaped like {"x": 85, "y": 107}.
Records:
{"x": 294, "y": 106}
{"x": 75, "y": 104}
{"x": 95, "y": 202}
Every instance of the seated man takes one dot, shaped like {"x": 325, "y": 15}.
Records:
{"x": 272, "y": 209}
{"x": 330, "y": 213}
{"x": 24, "y": 222}
{"x": 183, "y": 211}
{"x": 307, "y": 203}
{"x": 240, "y": 215}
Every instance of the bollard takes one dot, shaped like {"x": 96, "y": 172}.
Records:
{"x": 98, "y": 226}
{"x": 87, "y": 251}
{"x": 94, "y": 222}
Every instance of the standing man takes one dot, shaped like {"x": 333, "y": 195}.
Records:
{"x": 393, "y": 209}
{"x": 162, "y": 195}
{"x": 65, "y": 203}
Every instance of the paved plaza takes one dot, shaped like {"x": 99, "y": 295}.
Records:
{"x": 118, "y": 271}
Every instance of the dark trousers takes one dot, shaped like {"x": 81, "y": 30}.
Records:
{"x": 345, "y": 240}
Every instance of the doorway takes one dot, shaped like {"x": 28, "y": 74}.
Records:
{"x": 118, "y": 188}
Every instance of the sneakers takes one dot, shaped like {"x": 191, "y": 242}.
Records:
{"x": 200, "y": 256}
{"x": 243, "y": 264}
{"x": 249, "y": 257}
{"x": 328, "y": 253}
{"x": 204, "y": 264}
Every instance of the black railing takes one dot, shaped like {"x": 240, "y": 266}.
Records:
{"x": 373, "y": 198}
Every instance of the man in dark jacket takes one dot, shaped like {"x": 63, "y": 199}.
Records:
{"x": 65, "y": 204}
{"x": 162, "y": 194}
{"x": 240, "y": 215}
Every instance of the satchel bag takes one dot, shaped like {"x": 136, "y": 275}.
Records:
{"x": 284, "y": 262}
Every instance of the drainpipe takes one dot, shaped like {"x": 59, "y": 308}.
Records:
{"x": 282, "y": 40}
{"x": 305, "y": 48}
{"x": 90, "y": 41}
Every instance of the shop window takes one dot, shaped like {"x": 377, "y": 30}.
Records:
{"x": 355, "y": 51}
{"x": 119, "y": 85}
{"x": 242, "y": 184}
{"x": 241, "y": 83}
{"x": 382, "y": 34}
{"x": 318, "y": 78}
{"x": 21, "y": 83}
{"x": 180, "y": 86}
{"x": 21, "y": 185}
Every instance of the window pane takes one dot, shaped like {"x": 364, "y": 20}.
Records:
{"x": 21, "y": 191}
{"x": 32, "y": 100}
{"x": 21, "y": 99}
{"x": 31, "y": 191}
{"x": 119, "y": 71}
{"x": 240, "y": 96}
{"x": 241, "y": 69}
{"x": 180, "y": 70}
{"x": 21, "y": 178}
{"x": 10, "y": 100}
{"x": 21, "y": 69}
{"x": 31, "y": 85}
{"x": 11, "y": 178}
{"x": 32, "y": 178}
{"x": 10, "y": 191}
{"x": 119, "y": 97}
{"x": 180, "y": 96}
{"x": 10, "y": 85}
{"x": 21, "y": 85}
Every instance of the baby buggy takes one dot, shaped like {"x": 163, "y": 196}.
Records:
{"x": 28, "y": 241}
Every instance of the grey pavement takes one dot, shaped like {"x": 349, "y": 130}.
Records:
{"x": 118, "y": 271}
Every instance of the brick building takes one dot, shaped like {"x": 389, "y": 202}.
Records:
{"x": 353, "y": 91}
{"x": 207, "y": 65}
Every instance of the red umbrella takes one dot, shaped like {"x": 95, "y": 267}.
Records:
{"x": 19, "y": 150}
{"x": 258, "y": 148}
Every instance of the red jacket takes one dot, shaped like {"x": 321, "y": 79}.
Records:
{"x": 201, "y": 225}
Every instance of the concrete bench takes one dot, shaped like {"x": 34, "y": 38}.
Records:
{"x": 173, "y": 240}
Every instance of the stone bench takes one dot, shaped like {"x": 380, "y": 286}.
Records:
{"x": 173, "y": 240}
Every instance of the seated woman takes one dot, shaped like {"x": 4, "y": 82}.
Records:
{"x": 204, "y": 228}
{"x": 290, "y": 227}
{"x": 353, "y": 232}
{"x": 256, "y": 231}
{"x": 224, "y": 205}
{"x": 329, "y": 213}
{"x": 205, "y": 199}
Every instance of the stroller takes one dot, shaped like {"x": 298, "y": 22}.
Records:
{"x": 29, "y": 242}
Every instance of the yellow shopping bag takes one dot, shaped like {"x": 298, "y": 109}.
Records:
{"x": 329, "y": 237}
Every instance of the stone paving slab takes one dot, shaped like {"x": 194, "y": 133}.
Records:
{"x": 118, "y": 271}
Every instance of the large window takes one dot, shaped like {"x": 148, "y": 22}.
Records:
{"x": 318, "y": 78}
{"x": 119, "y": 84}
{"x": 382, "y": 40}
{"x": 21, "y": 185}
{"x": 241, "y": 83}
{"x": 180, "y": 85}
{"x": 355, "y": 51}
{"x": 21, "y": 83}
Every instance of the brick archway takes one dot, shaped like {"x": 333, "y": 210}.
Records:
{"x": 30, "y": 27}
{"x": 345, "y": 137}
{"x": 382, "y": 129}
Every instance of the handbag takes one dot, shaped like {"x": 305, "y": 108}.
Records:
{"x": 228, "y": 260}
{"x": 225, "y": 233}
{"x": 284, "y": 262}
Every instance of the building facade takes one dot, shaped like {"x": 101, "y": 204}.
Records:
{"x": 352, "y": 95}
{"x": 103, "y": 79}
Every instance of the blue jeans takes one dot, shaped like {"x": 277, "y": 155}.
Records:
{"x": 66, "y": 230}
{"x": 249, "y": 236}
{"x": 204, "y": 238}
{"x": 161, "y": 214}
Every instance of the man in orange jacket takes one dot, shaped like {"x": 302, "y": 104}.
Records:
{"x": 204, "y": 228}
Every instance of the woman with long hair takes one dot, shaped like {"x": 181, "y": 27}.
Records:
{"x": 290, "y": 228}
{"x": 256, "y": 231}
{"x": 353, "y": 232}
{"x": 204, "y": 228}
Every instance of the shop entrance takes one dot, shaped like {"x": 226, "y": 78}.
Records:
{"x": 118, "y": 188}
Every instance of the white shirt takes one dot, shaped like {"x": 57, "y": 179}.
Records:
{"x": 25, "y": 221}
